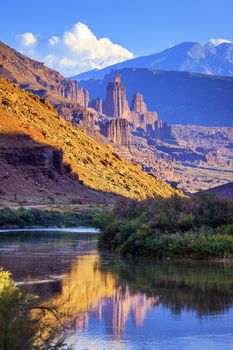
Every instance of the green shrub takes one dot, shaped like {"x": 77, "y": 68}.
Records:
{"x": 200, "y": 226}
{"x": 19, "y": 329}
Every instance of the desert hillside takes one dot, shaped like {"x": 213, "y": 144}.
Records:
{"x": 69, "y": 149}
{"x": 35, "y": 76}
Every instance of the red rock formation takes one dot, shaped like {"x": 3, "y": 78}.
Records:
{"x": 76, "y": 114}
{"x": 115, "y": 104}
{"x": 162, "y": 130}
{"x": 83, "y": 97}
{"x": 138, "y": 104}
{"x": 116, "y": 130}
{"x": 96, "y": 104}
{"x": 36, "y": 77}
{"x": 143, "y": 120}
{"x": 140, "y": 116}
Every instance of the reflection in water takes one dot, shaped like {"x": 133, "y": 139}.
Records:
{"x": 113, "y": 290}
{"x": 87, "y": 290}
{"x": 206, "y": 288}
{"x": 115, "y": 303}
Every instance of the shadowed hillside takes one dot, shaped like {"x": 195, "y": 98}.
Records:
{"x": 225, "y": 191}
{"x": 95, "y": 165}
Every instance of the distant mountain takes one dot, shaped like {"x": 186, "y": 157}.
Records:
{"x": 214, "y": 58}
{"x": 179, "y": 97}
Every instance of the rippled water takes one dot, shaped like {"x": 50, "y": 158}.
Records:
{"x": 116, "y": 303}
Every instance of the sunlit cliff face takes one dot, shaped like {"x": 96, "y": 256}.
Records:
{"x": 89, "y": 290}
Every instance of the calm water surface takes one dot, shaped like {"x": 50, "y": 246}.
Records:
{"x": 123, "y": 304}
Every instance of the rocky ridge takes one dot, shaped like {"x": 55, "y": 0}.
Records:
{"x": 36, "y": 77}
{"x": 90, "y": 164}
{"x": 193, "y": 162}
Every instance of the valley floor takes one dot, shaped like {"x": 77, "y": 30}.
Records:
{"x": 198, "y": 158}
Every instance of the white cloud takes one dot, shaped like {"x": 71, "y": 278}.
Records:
{"x": 75, "y": 51}
{"x": 54, "y": 40}
{"x": 27, "y": 39}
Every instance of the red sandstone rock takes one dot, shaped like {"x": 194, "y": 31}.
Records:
{"x": 115, "y": 104}
{"x": 162, "y": 130}
{"x": 138, "y": 104}
{"x": 116, "y": 130}
{"x": 76, "y": 114}
{"x": 83, "y": 97}
{"x": 96, "y": 104}
{"x": 39, "y": 79}
{"x": 140, "y": 116}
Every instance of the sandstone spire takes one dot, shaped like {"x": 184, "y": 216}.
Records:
{"x": 83, "y": 97}
{"x": 138, "y": 104}
{"x": 115, "y": 104}
{"x": 117, "y": 130}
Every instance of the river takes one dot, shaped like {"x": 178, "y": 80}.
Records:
{"x": 118, "y": 303}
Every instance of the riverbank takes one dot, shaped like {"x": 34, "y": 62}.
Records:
{"x": 54, "y": 216}
{"x": 200, "y": 227}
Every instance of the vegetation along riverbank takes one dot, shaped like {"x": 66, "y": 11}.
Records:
{"x": 197, "y": 227}
{"x": 57, "y": 216}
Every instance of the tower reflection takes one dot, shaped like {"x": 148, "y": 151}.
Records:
{"x": 87, "y": 292}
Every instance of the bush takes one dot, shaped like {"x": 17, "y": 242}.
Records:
{"x": 200, "y": 226}
{"x": 19, "y": 329}
{"x": 43, "y": 218}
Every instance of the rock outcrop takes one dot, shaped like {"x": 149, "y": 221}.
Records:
{"x": 116, "y": 130}
{"x": 162, "y": 130}
{"x": 36, "y": 77}
{"x": 140, "y": 117}
{"x": 75, "y": 114}
{"x": 83, "y": 97}
{"x": 200, "y": 99}
{"x": 138, "y": 104}
{"x": 97, "y": 105}
{"x": 142, "y": 121}
{"x": 115, "y": 104}
{"x": 97, "y": 167}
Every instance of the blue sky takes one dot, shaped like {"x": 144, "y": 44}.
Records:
{"x": 141, "y": 27}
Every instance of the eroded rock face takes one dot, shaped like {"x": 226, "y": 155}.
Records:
{"x": 115, "y": 104}
{"x": 138, "y": 104}
{"x": 67, "y": 89}
{"x": 22, "y": 152}
{"x": 142, "y": 121}
{"x": 36, "y": 77}
{"x": 162, "y": 130}
{"x": 97, "y": 105}
{"x": 83, "y": 97}
{"x": 141, "y": 118}
{"x": 78, "y": 115}
{"x": 116, "y": 130}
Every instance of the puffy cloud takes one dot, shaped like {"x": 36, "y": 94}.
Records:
{"x": 76, "y": 50}
{"x": 27, "y": 39}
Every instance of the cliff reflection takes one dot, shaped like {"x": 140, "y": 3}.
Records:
{"x": 89, "y": 291}
{"x": 114, "y": 290}
{"x": 203, "y": 288}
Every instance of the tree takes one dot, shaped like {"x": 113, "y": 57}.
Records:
{"x": 24, "y": 323}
